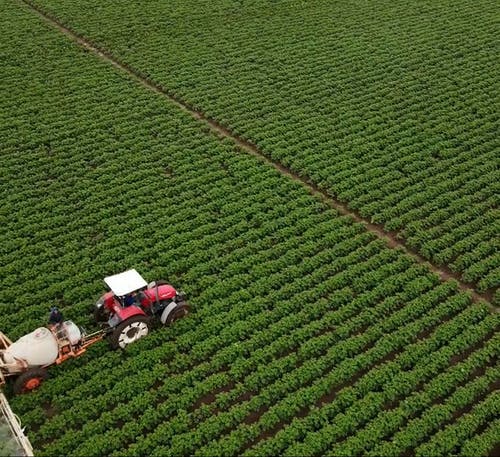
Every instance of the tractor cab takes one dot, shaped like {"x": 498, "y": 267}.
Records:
{"x": 127, "y": 287}
{"x": 131, "y": 289}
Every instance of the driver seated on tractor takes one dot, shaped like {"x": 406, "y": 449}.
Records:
{"x": 129, "y": 299}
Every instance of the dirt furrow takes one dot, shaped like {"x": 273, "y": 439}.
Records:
{"x": 223, "y": 132}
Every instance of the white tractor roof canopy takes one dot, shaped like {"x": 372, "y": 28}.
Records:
{"x": 126, "y": 282}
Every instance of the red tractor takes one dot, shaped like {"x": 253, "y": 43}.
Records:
{"x": 127, "y": 313}
{"x": 131, "y": 306}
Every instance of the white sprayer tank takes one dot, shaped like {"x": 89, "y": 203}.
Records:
{"x": 37, "y": 348}
{"x": 73, "y": 332}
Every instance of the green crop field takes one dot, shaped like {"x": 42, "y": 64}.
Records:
{"x": 309, "y": 334}
{"x": 390, "y": 106}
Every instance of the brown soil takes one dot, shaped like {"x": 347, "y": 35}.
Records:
{"x": 50, "y": 411}
{"x": 254, "y": 416}
{"x": 210, "y": 397}
{"x": 495, "y": 452}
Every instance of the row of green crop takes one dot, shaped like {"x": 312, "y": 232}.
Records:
{"x": 387, "y": 423}
{"x": 308, "y": 351}
{"x": 166, "y": 432}
{"x": 448, "y": 440}
{"x": 220, "y": 319}
{"x": 387, "y": 108}
{"x": 290, "y": 301}
{"x": 243, "y": 434}
{"x": 483, "y": 443}
{"x": 163, "y": 432}
{"x": 200, "y": 353}
{"x": 293, "y": 435}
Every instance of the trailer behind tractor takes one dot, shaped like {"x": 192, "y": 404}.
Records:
{"x": 126, "y": 313}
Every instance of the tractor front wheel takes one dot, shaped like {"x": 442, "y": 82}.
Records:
{"x": 29, "y": 380}
{"x": 178, "y": 313}
{"x": 160, "y": 282}
{"x": 129, "y": 331}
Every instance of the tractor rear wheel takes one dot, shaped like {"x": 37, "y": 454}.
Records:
{"x": 129, "y": 331}
{"x": 29, "y": 380}
{"x": 178, "y": 313}
{"x": 160, "y": 282}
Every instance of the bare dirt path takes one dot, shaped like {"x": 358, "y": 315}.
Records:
{"x": 249, "y": 148}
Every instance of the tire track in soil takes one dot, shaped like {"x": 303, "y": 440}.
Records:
{"x": 223, "y": 132}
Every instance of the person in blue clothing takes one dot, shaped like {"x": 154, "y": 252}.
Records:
{"x": 129, "y": 299}
{"x": 55, "y": 316}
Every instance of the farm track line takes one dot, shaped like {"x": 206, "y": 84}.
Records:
{"x": 223, "y": 132}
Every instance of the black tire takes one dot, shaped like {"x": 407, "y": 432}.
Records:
{"x": 29, "y": 380}
{"x": 129, "y": 331}
{"x": 179, "y": 312}
{"x": 160, "y": 282}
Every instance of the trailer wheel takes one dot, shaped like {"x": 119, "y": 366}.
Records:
{"x": 129, "y": 331}
{"x": 29, "y": 380}
{"x": 178, "y": 313}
